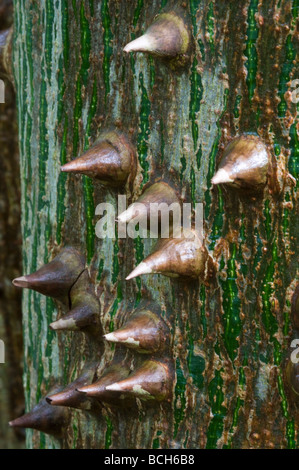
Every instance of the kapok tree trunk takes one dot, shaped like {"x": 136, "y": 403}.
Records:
{"x": 11, "y": 388}
{"x": 230, "y": 337}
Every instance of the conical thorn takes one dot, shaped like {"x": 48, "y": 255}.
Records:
{"x": 144, "y": 331}
{"x": 70, "y": 397}
{"x": 176, "y": 257}
{"x": 56, "y": 278}
{"x": 151, "y": 381}
{"x": 168, "y": 37}
{"x": 111, "y": 160}
{"x": 245, "y": 163}
{"x": 44, "y": 418}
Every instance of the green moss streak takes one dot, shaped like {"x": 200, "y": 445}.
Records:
{"x": 180, "y": 399}
{"x": 63, "y": 61}
{"x": 183, "y": 167}
{"x": 29, "y": 63}
{"x": 288, "y": 65}
{"x": 196, "y": 366}
{"x": 198, "y": 157}
{"x": 290, "y": 428}
{"x": 239, "y": 404}
{"x": 115, "y": 263}
{"x": 142, "y": 145}
{"x": 75, "y": 435}
{"x": 77, "y": 115}
{"x": 49, "y": 36}
{"x": 109, "y": 430}
{"x": 156, "y": 442}
{"x": 85, "y": 46}
{"x": 139, "y": 256}
{"x": 194, "y": 4}
{"x": 192, "y": 187}
{"x": 91, "y": 7}
{"x": 195, "y": 99}
{"x": 137, "y": 12}
{"x": 40, "y": 374}
{"x": 294, "y": 157}
{"x": 30, "y": 346}
{"x": 216, "y": 398}
{"x": 50, "y": 308}
{"x": 100, "y": 270}
{"x": 211, "y": 27}
{"x": 44, "y": 146}
{"x": 290, "y": 434}
{"x": 66, "y": 363}
{"x": 65, "y": 32}
{"x": 237, "y": 106}
{"x": 268, "y": 318}
{"x": 231, "y": 306}
{"x": 25, "y": 119}
{"x": 295, "y": 9}
{"x": 87, "y": 182}
{"x": 218, "y": 220}
{"x": 250, "y": 51}
{"x": 74, "y": 4}
{"x": 83, "y": 81}
{"x": 89, "y": 215}
{"x": 27, "y": 171}
{"x": 114, "y": 309}
{"x": 162, "y": 139}
{"x": 42, "y": 441}
{"x": 61, "y": 186}
{"x": 212, "y": 160}
{"x": 107, "y": 37}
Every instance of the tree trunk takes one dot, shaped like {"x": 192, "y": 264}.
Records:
{"x": 11, "y": 389}
{"x": 230, "y": 338}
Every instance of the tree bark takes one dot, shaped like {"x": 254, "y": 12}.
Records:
{"x": 11, "y": 389}
{"x": 230, "y": 339}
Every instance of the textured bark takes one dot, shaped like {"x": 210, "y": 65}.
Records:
{"x": 11, "y": 389}
{"x": 229, "y": 339}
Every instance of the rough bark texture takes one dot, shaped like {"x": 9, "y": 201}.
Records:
{"x": 11, "y": 388}
{"x": 229, "y": 339}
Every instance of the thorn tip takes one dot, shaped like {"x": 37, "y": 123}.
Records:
{"x": 221, "y": 176}
{"x": 142, "y": 268}
{"x": 114, "y": 387}
{"x": 20, "y": 282}
{"x": 141, "y": 44}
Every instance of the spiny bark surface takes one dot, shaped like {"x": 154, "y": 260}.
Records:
{"x": 229, "y": 339}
